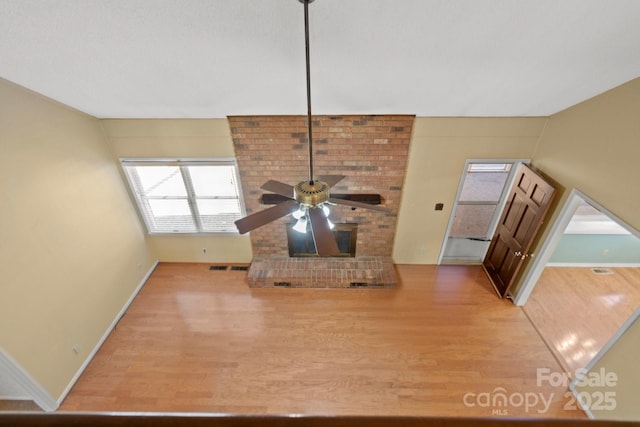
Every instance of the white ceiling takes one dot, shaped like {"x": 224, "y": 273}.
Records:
{"x": 213, "y": 58}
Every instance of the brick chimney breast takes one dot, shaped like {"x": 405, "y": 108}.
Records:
{"x": 370, "y": 150}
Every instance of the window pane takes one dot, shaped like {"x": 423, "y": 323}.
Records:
{"x": 170, "y": 216}
{"x": 161, "y": 181}
{"x": 483, "y": 186}
{"x": 218, "y": 206}
{"x": 489, "y": 167}
{"x": 472, "y": 221}
{"x": 213, "y": 180}
{"x": 218, "y": 215}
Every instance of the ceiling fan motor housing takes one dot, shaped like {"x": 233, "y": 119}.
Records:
{"x": 311, "y": 193}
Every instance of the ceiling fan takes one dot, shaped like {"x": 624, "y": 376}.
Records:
{"x": 308, "y": 201}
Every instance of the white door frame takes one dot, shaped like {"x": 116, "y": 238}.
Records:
{"x": 22, "y": 380}
{"x": 499, "y": 206}
{"x": 551, "y": 242}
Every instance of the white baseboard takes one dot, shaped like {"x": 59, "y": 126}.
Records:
{"x": 592, "y": 265}
{"x": 21, "y": 378}
{"x": 106, "y": 334}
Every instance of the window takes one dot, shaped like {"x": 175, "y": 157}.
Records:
{"x": 482, "y": 189}
{"x": 186, "y": 196}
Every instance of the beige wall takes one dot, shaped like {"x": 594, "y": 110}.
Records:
{"x": 71, "y": 249}
{"x": 594, "y": 147}
{"x": 181, "y": 138}
{"x": 439, "y": 149}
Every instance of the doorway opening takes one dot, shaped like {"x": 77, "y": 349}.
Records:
{"x": 595, "y": 241}
{"x": 479, "y": 202}
{"x": 589, "y": 285}
{"x": 574, "y": 200}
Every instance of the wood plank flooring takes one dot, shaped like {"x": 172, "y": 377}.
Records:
{"x": 197, "y": 340}
{"x": 19, "y": 406}
{"x": 578, "y": 311}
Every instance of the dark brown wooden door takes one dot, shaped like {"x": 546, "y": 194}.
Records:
{"x": 527, "y": 204}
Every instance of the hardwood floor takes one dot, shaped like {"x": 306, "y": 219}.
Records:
{"x": 19, "y": 406}
{"x": 578, "y": 311}
{"x": 442, "y": 344}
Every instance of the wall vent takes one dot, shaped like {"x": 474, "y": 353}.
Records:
{"x": 218, "y": 267}
{"x": 282, "y": 284}
{"x": 358, "y": 284}
{"x": 602, "y": 270}
{"x": 240, "y": 268}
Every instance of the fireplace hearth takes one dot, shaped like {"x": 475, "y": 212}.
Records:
{"x": 281, "y": 271}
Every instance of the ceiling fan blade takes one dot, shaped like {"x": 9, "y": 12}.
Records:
{"x": 331, "y": 179}
{"x": 278, "y": 187}
{"x": 358, "y": 204}
{"x": 265, "y": 216}
{"x": 322, "y": 235}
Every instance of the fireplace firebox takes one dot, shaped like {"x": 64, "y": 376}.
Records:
{"x": 302, "y": 245}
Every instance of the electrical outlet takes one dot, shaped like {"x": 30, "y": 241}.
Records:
{"x": 605, "y": 252}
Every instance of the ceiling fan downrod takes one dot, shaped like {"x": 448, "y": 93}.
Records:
{"x": 308, "y": 201}
{"x": 311, "y": 193}
{"x": 308, "y": 65}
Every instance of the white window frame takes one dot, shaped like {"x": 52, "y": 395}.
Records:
{"x": 182, "y": 163}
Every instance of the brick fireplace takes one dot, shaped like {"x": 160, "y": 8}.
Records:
{"x": 371, "y": 151}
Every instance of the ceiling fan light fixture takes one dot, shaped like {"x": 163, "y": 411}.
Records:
{"x": 299, "y": 213}
{"x": 301, "y": 225}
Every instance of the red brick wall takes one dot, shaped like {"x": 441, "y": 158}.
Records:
{"x": 370, "y": 150}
